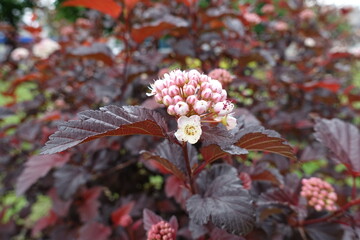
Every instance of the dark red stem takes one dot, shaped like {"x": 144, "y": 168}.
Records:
{"x": 188, "y": 167}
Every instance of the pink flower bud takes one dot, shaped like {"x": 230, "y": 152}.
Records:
{"x": 177, "y": 99}
{"x": 169, "y": 82}
{"x": 223, "y": 95}
{"x": 193, "y": 83}
{"x": 206, "y": 94}
{"x": 167, "y": 100}
{"x": 159, "y": 85}
{"x": 307, "y": 14}
{"x": 191, "y": 99}
{"x": 216, "y": 97}
{"x": 332, "y": 196}
{"x": 204, "y": 85}
{"x": 204, "y": 78}
{"x": 318, "y": 207}
{"x": 171, "y": 110}
{"x": 194, "y": 75}
{"x": 268, "y": 8}
{"x": 201, "y": 106}
{"x": 215, "y": 86}
{"x": 158, "y": 98}
{"x": 189, "y": 90}
{"x": 165, "y": 92}
{"x": 173, "y": 90}
{"x": 181, "y": 108}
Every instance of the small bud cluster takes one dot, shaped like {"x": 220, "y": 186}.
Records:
{"x": 320, "y": 194}
{"x": 307, "y": 14}
{"x": 221, "y": 75}
{"x": 161, "y": 231}
{"x": 45, "y": 48}
{"x": 192, "y": 93}
{"x": 19, "y": 54}
{"x": 245, "y": 180}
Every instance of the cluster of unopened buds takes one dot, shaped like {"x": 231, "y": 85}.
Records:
{"x": 320, "y": 194}
{"x": 222, "y": 76}
{"x": 193, "y": 98}
{"x": 161, "y": 231}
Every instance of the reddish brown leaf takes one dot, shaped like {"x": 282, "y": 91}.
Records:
{"x": 108, "y": 121}
{"x": 98, "y": 51}
{"x": 94, "y": 230}
{"x": 212, "y": 152}
{"x": 37, "y": 167}
{"x": 59, "y": 206}
{"x": 121, "y": 217}
{"x": 165, "y": 163}
{"x": 157, "y": 28}
{"x": 256, "y": 138}
{"x": 44, "y": 222}
{"x": 109, "y": 7}
{"x": 88, "y": 208}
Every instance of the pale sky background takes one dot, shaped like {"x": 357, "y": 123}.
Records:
{"x": 353, "y": 3}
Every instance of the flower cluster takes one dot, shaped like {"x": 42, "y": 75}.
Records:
{"x": 161, "y": 231}
{"x": 19, "y": 53}
{"x": 45, "y": 48}
{"x": 221, "y": 75}
{"x": 193, "y": 98}
{"x": 320, "y": 194}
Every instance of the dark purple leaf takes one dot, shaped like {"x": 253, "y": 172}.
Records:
{"x": 68, "y": 179}
{"x": 5, "y": 112}
{"x": 108, "y": 121}
{"x": 171, "y": 156}
{"x": 37, "y": 167}
{"x": 59, "y": 206}
{"x": 197, "y": 230}
{"x": 222, "y": 200}
{"x": 98, "y": 51}
{"x": 343, "y": 139}
{"x": 150, "y": 218}
{"x": 218, "y": 233}
{"x": 324, "y": 230}
{"x": 263, "y": 172}
{"x": 94, "y": 230}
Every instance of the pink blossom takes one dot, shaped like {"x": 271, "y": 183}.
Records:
{"x": 181, "y": 108}
{"x": 268, "y": 8}
{"x": 19, "y": 53}
{"x": 307, "y": 14}
{"x": 320, "y": 194}
{"x": 161, "y": 231}
{"x": 280, "y": 26}
{"x": 222, "y": 75}
{"x": 201, "y": 107}
{"x": 252, "y": 18}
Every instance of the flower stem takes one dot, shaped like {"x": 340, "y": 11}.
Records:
{"x": 334, "y": 214}
{"x": 188, "y": 167}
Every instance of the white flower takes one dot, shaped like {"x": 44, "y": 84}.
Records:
{"x": 19, "y": 53}
{"x": 228, "y": 121}
{"x": 189, "y": 129}
{"x": 45, "y": 48}
{"x": 223, "y": 108}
